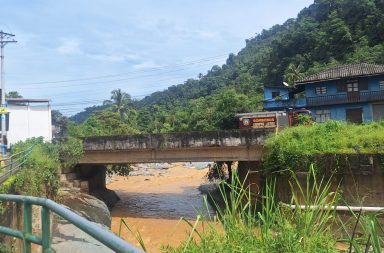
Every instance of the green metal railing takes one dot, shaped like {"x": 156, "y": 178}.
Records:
{"x": 104, "y": 236}
{"x": 11, "y": 165}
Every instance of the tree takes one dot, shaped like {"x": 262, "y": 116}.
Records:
{"x": 106, "y": 123}
{"x": 13, "y": 94}
{"x": 60, "y": 123}
{"x": 338, "y": 36}
{"x": 293, "y": 73}
{"x": 121, "y": 103}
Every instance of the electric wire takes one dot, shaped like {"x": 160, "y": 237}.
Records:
{"x": 214, "y": 58}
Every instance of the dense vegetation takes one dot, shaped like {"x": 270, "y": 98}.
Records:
{"x": 327, "y": 33}
{"x": 275, "y": 227}
{"x": 41, "y": 167}
{"x": 300, "y": 146}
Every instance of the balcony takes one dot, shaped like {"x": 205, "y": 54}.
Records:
{"x": 282, "y": 104}
{"x": 346, "y": 98}
{"x": 342, "y": 98}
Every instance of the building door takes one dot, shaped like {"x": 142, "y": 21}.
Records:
{"x": 354, "y": 115}
{"x": 353, "y": 93}
{"x": 378, "y": 112}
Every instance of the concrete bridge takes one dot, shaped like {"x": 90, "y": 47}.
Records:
{"x": 230, "y": 145}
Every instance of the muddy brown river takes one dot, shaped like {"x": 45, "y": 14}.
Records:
{"x": 153, "y": 205}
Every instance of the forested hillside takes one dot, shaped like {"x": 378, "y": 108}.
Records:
{"x": 327, "y": 33}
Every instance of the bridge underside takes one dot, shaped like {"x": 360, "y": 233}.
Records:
{"x": 241, "y": 153}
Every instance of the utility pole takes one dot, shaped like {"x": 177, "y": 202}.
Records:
{"x": 5, "y": 38}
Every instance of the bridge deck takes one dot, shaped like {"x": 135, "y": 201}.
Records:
{"x": 238, "y": 144}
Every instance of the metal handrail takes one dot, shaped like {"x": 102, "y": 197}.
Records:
{"x": 104, "y": 236}
{"x": 16, "y": 161}
{"x": 18, "y": 153}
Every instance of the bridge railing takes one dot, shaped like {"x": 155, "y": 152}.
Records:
{"x": 12, "y": 164}
{"x": 104, "y": 236}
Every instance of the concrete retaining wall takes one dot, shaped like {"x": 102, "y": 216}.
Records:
{"x": 360, "y": 179}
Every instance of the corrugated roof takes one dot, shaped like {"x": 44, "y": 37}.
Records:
{"x": 344, "y": 71}
{"x": 26, "y": 100}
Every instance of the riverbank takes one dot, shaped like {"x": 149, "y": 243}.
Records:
{"x": 154, "y": 199}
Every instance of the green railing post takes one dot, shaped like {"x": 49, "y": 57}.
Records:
{"x": 46, "y": 230}
{"x": 10, "y": 167}
{"x": 105, "y": 237}
{"x": 27, "y": 225}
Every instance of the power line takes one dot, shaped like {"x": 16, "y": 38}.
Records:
{"x": 96, "y": 91}
{"x": 127, "y": 73}
{"x": 110, "y": 81}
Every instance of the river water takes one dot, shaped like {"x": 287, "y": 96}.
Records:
{"x": 153, "y": 201}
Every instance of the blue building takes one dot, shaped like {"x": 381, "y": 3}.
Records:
{"x": 353, "y": 92}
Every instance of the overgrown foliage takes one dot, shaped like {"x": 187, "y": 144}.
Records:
{"x": 310, "y": 227}
{"x": 274, "y": 228}
{"x": 298, "y": 147}
{"x": 40, "y": 176}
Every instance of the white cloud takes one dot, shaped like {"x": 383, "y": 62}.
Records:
{"x": 146, "y": 65}
{"x": 69, "y": 46}
{"x": 113, "y": 57}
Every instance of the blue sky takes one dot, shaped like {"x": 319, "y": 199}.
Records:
{"x": 76, "y": 51}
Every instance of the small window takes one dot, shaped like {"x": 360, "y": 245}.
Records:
{"x": 275, "y": 94}
{"x": 381, "y": 85}
{"x": 322, "y": 115}
{"x": 341, "y": 86}
{"x": 321, "y": 90}
{"x": 363, "y": 84}
{"x": 352, "y": 86}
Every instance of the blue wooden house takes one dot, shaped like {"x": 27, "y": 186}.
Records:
{"x": 353, "y": 92}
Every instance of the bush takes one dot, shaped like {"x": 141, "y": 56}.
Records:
{"x": 40, "y": 176}
{"x": 298, "y": 147}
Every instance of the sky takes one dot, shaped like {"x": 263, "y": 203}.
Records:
{"x": 75, "y": 52}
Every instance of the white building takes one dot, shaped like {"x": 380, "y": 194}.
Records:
{"x": 28, "y": 118}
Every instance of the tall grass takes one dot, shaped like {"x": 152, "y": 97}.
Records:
{"x": 272, "y": 228}
{"x": 367, "y": 233}
{"x": 136, "y": 234}
{"x": 307, "y": 224}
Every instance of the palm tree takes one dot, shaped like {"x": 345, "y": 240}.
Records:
{"x": 121, "y": 103}
{"x": 293, "y": 73}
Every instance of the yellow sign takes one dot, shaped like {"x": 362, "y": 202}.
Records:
{"x": 3, "y": 110}
{"x": 268, "y": 119}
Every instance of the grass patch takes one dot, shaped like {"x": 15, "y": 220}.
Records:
{"x": 298, "y": 147}
{"x": 274, "y": 227}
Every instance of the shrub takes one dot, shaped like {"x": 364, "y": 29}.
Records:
{"x": 40, "y": 176}
{"x": 297, "y": 147}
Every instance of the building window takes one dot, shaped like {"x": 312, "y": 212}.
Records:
{"x": 381, "y": 85}
{"x": 275, "y": 94}
{"x": 321, "y": 90}
{"x": 363, "y": 84}
{"x": 352, "y": 86}
{"x": 341, "y": 86}
{"x": 322, "y": 115}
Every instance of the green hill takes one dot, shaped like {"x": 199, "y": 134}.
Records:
{"x": 327, "y": 33}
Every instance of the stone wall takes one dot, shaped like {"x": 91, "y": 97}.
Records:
{"x": 358, "y": 178}
{"x": 89, "y": 179}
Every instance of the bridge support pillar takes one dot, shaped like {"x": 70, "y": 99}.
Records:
{"x": 95, "y": 176}
{"x": 250, "y": 173}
